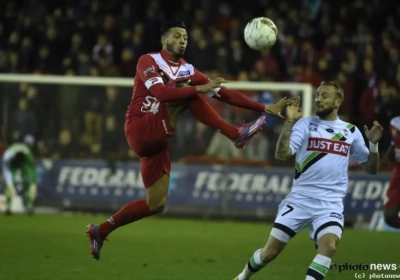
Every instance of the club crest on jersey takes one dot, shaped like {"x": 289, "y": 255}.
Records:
{"x": 313, "y": 127}
{"x": 149, "y": 70}
{"x": 184, "y": 73}
{"x": 328, "y": 146}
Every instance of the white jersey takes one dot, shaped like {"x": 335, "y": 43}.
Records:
{"x": 322, "y": 156}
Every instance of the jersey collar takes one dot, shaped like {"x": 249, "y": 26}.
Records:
{"x": 167, "y": 57}
{"x": 321, "y": 120}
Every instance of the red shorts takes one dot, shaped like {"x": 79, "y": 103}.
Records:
{"x": 147, "y": 136}
{"x": 393, "y": 193}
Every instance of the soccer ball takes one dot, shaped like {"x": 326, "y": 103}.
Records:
{"x": 260, "y": 33}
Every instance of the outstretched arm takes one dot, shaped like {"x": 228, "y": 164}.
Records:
{"x": 283, "y": 150}
{"x": 292, "y": 134}
{"x": 371, "y": 166}
{"x": 374, "y": 135}
{"x": 368, "y": 159}
{"x": 147, "y": 70}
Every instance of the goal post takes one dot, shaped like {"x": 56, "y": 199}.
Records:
{"x": 306, "y": 90}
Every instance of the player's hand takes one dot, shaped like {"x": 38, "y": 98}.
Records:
{"x": 375, "y": 133}
{"x": 211, "y": 86}
{"x": 293, "y": 112}
{"x": 276, "y": 109}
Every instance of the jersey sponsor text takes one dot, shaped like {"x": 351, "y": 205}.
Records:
{"x": 150, "y": 105}
{"x": 328, "y": 146}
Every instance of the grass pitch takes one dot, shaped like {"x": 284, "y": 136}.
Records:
{"x": 56, "y": 248}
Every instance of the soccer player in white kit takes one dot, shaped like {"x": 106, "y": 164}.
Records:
{"x": 322, "y": 145}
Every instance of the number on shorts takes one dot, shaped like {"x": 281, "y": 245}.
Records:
{"x": 288, "y": 211}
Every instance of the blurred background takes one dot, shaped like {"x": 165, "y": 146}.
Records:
{"x": 353, "y": 42}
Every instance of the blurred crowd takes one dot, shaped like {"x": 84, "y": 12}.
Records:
{"x": 353, "y": 42}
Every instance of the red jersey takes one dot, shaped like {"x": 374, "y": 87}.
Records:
{"x": 395, "y": 133}
{"x": 158, "y": 80}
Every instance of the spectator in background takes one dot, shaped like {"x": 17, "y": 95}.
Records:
{"x": 111, "y": 143}
{"x": 14, "y": 65}
{"x": 356, "y": 44}
{"x": 26, "y": 55}
{"x": 128, "y": 63}
{"x": 65, "y": 147}
{"x": 106, "y": 68}
{"x": 24, "y": 121}
{"x": 258, "y": 149}
{"x": 112, "y": 107}
{"x": 77, "y": 46}
{"x": 68, "y": 97}
{"x": 83, "y": 63}
{"x": 221, "y": 147}
{"x": 46, "y": 62}
{"x": 91, "y": 101}
{"x": 103, "y": 48}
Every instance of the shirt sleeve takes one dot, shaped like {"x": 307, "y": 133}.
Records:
{"x": 358, "y": 149}
{"x": 299, "y": 131}
{"x": 148, "y": 73}
{"x": 7, "y": 157}
{"x": 228, "y": 96}
{"x": 199, "y": 78}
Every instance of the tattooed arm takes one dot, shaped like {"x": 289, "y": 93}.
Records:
{"x": 371, "y": 166}
{"x": 292, "y": 134}
{"x": 283, "y": 150}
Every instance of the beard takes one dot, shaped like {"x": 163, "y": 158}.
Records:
{"x": 325, "y": 112}
{"x": 176, "y": 54}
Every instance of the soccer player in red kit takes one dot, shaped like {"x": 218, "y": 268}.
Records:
{"x": 166, "y": 85}
{"x": 392, "y": 205}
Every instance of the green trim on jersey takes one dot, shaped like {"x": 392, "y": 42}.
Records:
{"x": 316, "y": 156}
{"x": 21, "y": 148}
{"x": 27, "y": 167}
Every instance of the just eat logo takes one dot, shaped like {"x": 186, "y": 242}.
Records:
{"x": 328, "y": 146}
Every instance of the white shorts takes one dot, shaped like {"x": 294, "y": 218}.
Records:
{"x": 297, "y": 212}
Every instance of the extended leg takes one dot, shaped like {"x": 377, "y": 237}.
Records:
{"x": 207, "y": 115}
{"x": 30, "y": 196}
{"x": 289, "y": 220}
{"x": 261, "y": 258}
{"x": 326, "y": 249}
{"x": 156, "y": 199}
{"x": 10, "y": 194}
{"x": 326, "y": 231}
{"x": 30, "y": 187}
{"x": 155, "y": 173}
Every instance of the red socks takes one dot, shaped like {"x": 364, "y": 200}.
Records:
{"x": 130, "y": 213}
{"x": 207, "y": 115}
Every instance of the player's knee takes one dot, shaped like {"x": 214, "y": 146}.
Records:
{"x": 327, "y": 246}
{"x": 157, "y": 205}
{"x": 156, "y": 195}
